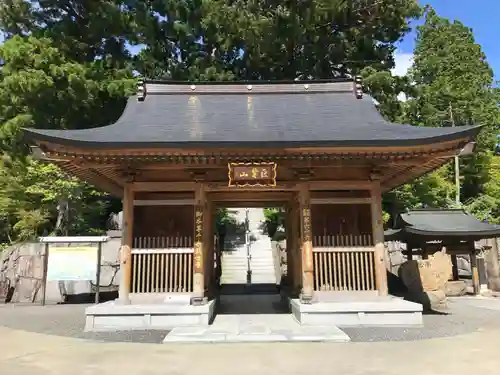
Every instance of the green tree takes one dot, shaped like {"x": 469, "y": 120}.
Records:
{"x": 451, "y": 84}
{"x": 37, "y": 198}
{"x": 83, "y": 31}
{"x": 262, "y": 40}
{"x": 42, "y": 88}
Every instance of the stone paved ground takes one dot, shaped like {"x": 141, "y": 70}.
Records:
{"x": 256, "y": 328}
{"x": 27, "y": 353}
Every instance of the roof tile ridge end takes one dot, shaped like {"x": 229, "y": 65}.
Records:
{"x": 141, "y": 90}
{"x": 358, "y": 87}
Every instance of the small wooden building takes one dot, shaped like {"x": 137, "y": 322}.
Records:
{"x": 320, "y": 149}
{"x": 429, "y": 230}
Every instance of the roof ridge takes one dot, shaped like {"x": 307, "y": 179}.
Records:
{"x": 245, "y": 82}
{"x": 341, "y": 85}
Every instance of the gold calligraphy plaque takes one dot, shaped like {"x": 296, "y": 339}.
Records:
{"x": 252, "y": 174}
{"x": 198, "y": 238}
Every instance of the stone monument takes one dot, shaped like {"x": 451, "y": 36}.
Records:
{"x": 426, "y": 279}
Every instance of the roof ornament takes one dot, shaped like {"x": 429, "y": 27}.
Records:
{"x": 141, "y": 90}
{"x": 358, "y": 87}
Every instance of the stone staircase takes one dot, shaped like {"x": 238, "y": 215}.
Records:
{"x": 234, "y": 262}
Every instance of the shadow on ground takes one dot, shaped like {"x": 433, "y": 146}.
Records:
{"x": 252, "y": 304}
{"x": 86, "y": 298}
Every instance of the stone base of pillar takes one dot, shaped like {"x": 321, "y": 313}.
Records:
{"x": 199, "y": 301}
{"x": 123, "y": 301}
{"x": 306, "y": 298}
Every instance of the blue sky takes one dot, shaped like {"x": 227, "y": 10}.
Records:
{"x": 480, "y": 15}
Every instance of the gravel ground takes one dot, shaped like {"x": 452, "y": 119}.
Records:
{"x": 67, "y": 320}
{"x": 465, "y": 315}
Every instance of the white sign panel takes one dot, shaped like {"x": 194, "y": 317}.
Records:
{"x": 78, "y": 263}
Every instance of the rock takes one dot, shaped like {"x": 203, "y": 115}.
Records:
{"x": 396, "y": 260}
{"x": 427, "y": 275}
{"x": 463, "y": 265}
{"x": 426, "y": 280}
{"x": 494, "y": 284}
{"x": 433, "y": 301}
{"x": 470, "y": 289}
{"x": 456, "y": 288}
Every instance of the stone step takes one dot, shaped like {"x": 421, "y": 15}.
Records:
{"x": 243, "y": 280}
{"x": 245, "y": 261}
{"x": 242, "y": 269}
{"x": 238, "y": 274}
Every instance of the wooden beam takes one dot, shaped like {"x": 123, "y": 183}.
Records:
{"x": 347, "y": 200}
{"x": 223, "y": 187}
{"x": 249, "y": 196}
{"x": 378, "y": 238}
{"x": 126, "y": 248}
{"x": 164, "y": 202}
{"x": 339, "y": 185}
{"x": 163, "y": 186}
{"x": 143, "y": 186}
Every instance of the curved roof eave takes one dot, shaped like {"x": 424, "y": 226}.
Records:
{"x": 35, "y": 135}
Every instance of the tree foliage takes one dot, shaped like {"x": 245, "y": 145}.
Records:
{"x": 67, "y": 64}
{"x": 450, "y": 83}
{"x": 31, "y": 196}
{"x": 267, "y": 40}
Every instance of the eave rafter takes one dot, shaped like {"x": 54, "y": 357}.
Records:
{"x": 389, "y": 157}
{"x": 97, "y": 178}
{"x": 110, "y": 169}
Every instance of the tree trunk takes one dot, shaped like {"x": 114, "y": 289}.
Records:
{"x": 62, "y": 217}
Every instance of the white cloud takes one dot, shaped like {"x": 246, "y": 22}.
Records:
{"x": 403, "y": 62}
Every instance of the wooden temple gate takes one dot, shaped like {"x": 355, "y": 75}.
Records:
{"x": 318, "y": 148}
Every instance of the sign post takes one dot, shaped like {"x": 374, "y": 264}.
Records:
{"x": 84, "y": 256}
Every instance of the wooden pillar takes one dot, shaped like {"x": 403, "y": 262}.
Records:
{"x": 126, "y": 248}
{"x": 208, "y": 255}
{"x": 409, "y": 251}
{"x": 289, "y": 245}
{"x": 306, "y": 295}
{"x": 475, "y": 273}
{"x": 295, "y": 248}
{"x": 425, "y": 252}
{"x": 200, "y": 218}
{"x": 378, "y": 238}
{"x": 454, "y": 263}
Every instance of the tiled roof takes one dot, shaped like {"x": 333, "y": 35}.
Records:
{"x": 295, "y": 114}
{"x": 435, "y": 223}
